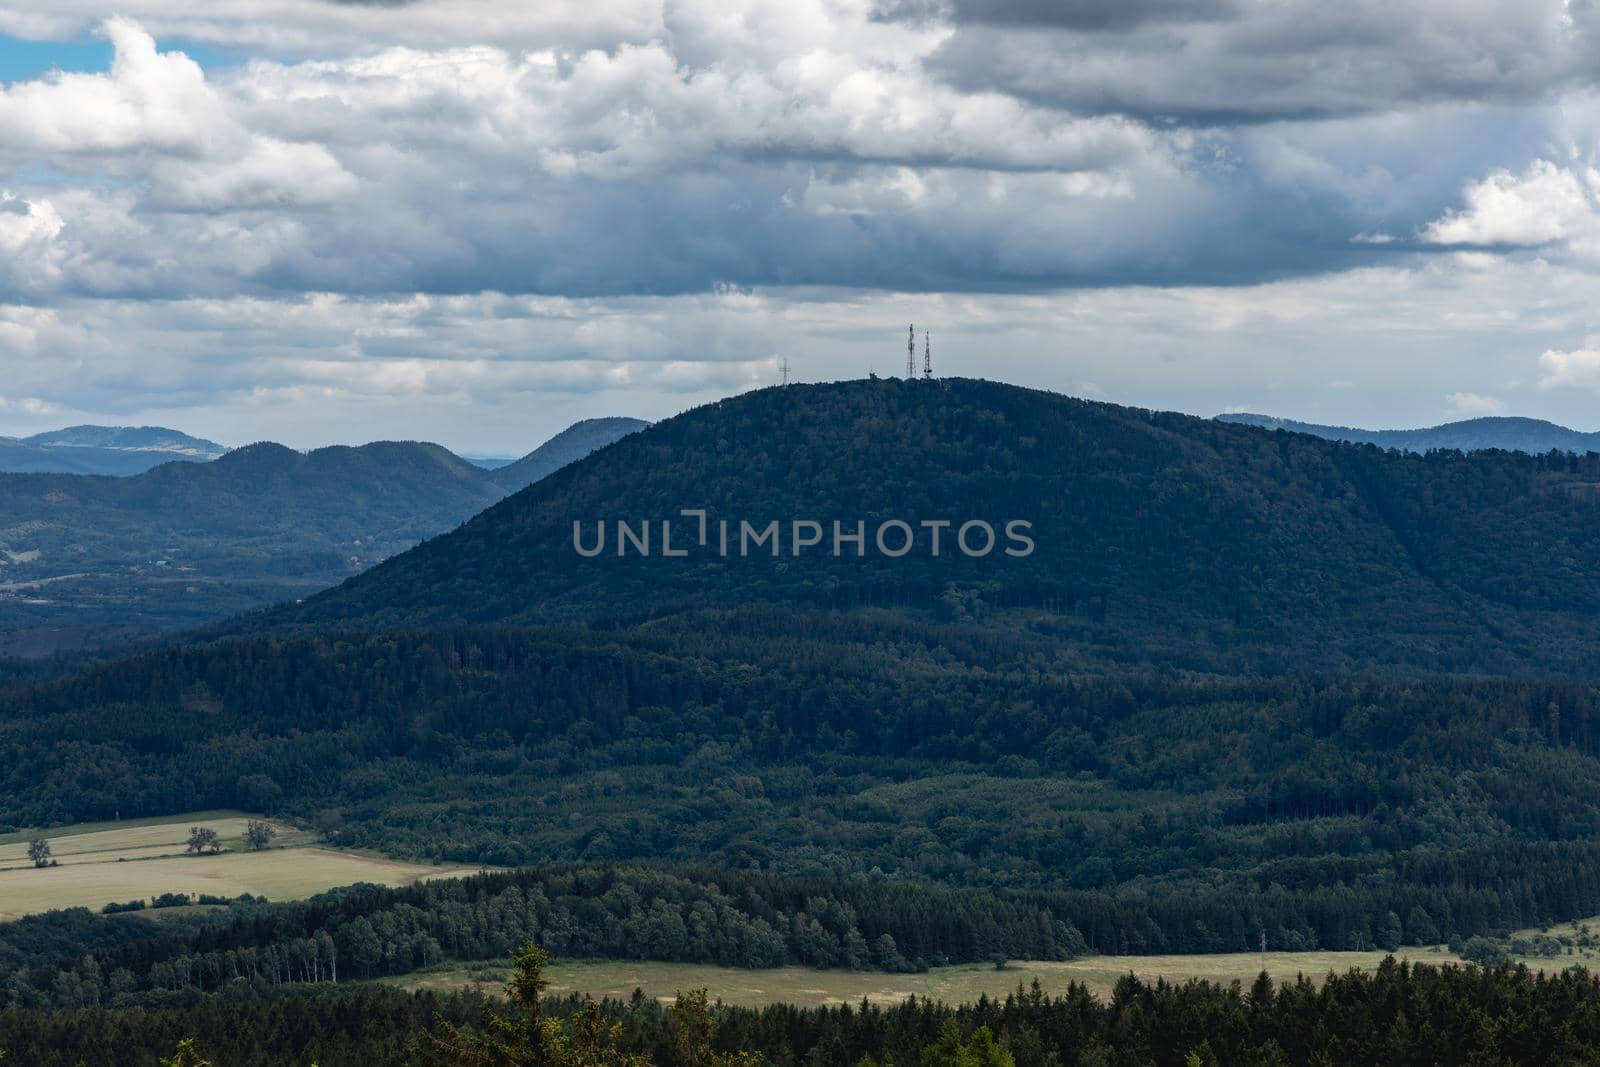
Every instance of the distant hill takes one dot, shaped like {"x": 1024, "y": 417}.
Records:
{"x": 187, "y": 542}
{"x": 1534, "y": 436}
{"x": 568, "y": 446}
{"x": 1160, "y": 534}
{"x": 113, "y": 450}
{"x": 487, "y": 462}
{"x": 94, "y": 560}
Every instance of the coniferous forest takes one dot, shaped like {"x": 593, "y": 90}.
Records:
{"x": 1249, "y": 687}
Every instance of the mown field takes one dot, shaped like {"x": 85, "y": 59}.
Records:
{"x": 965, "y": 983}
{"x": 954, "y": 985}
{"x": 102, "y": 863}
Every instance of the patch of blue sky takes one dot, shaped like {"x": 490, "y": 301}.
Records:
{"x": 23, "y": 60}
{"x": 30, "y": 177}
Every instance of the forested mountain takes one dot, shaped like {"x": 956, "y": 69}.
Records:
{"x": 568, "y": 446}
{"x": 92, "y": 560}
{"x": 1511, "y": 434}
{"x": 1244, "y": 686}
{"x": 1157, "y": 537}
{"x": 1239, "y": 687}
{"x": 111, "y": 450}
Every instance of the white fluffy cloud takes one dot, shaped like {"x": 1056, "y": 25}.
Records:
{"x": 1475, "y": 404}
{"x": 1544, "y": 204}
{"x": 148, "y": 101}
{"x": 1575, "y": 369}
{"x": 154, "y": 125}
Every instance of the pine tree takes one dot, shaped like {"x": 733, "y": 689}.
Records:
{"x": 187, "y": 1056}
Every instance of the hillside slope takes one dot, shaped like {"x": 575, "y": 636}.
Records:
{"x": 1155, "y": 533}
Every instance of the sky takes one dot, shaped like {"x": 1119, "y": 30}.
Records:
{"x": 325, "y": 221}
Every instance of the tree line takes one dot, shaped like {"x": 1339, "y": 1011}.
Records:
{"x": 70, "y": 960}
{"x": 1396, "y": 1015}
{"x": 737, "y": 919}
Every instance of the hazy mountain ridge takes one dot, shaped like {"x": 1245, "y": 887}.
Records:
{"x": 85, "y": 559}
{"x": 1511, "y": 433}
{"x": 108, "y": 450}
{"x": 127, "y": 438}
{"x": 570, "y": 445}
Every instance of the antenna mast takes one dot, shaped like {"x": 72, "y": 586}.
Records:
{"x": 911, "y": 352}
{"x": 927, "y": 356}
{"x": 784, "y": 368}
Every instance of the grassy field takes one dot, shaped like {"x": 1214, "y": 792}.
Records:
{"x": 959, "y": 984}
{"x": 102, "y": 863}
{"x": 101, "y": 842}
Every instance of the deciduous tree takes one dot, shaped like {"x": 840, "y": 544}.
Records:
{"x": 259, "y": 834}
{"x": 204, "y": 839}
{"x": 39, "y": 851}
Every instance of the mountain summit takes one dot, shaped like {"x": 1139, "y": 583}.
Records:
{"x": 568, "y": 446}
{"x": 1212, "y": 541}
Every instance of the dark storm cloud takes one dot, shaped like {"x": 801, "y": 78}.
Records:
{"x": 1223, "y": 63}
{"x": 1240, "y": 209}
{"x": 1073, "y": 14}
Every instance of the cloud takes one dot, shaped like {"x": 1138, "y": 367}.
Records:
{"x": 504, "y": 370}
{"x": 27, "y": 406}
{"x": 1474, "y": 405}
{"x": 1545, "y": 203}
{"x": 269, "y": 174}
{"x": 772, "y": 144}
{"x": 1222, "y": 62}
{"x": 1074, "y": 14}
{"x": 30, "y": 255}
{"x": 154, "y": 119}
{"x": 148, "y": 100}
{"x": 456, "y": 204}
{"x": 1575, "y": 369}
{"x": 323, "y": 28}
